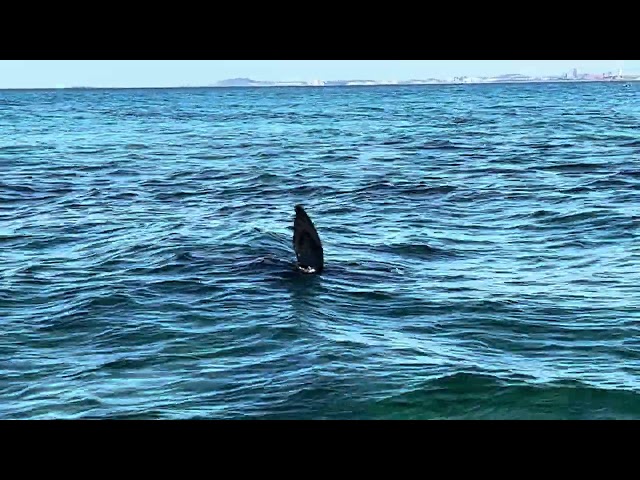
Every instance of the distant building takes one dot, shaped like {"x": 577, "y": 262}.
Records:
{"x": 575, "y": 73}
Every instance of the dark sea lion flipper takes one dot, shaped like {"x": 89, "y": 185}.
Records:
{"x": 306, "y": 243}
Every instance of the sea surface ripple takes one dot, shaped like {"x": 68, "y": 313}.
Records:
{"x": 481, "y": 247}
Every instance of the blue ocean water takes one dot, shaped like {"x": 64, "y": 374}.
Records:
{"x": 481, "y": 247}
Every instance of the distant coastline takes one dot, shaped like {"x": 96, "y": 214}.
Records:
{"x": 501, "y": 79}
{"x": 249, "y": 83}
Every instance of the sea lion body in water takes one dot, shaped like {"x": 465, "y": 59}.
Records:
{"x": 306, "y": 243}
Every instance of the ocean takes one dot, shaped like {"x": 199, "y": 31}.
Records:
{"x": 481, "y": 247}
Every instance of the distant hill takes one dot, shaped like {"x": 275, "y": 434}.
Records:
{"x": 236, "y": 82}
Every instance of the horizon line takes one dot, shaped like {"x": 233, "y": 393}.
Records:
{"x": 275, "y": 84}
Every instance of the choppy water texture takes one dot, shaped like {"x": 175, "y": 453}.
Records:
{"x": 481, "y": 247}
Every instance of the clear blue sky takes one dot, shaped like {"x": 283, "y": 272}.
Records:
{"x": 161, "y": 73}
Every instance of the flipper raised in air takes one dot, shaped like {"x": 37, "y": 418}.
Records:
{"x": 306, "y": 243}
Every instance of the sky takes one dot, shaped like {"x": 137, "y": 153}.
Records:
{"x": 174, "y": 73}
